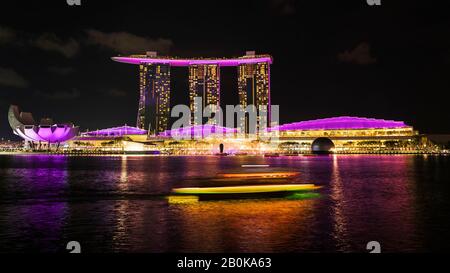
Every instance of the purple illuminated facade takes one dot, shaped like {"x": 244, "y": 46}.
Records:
{"x": 115, "y": 132}
{"x": 23, "y": 125}
{"x": 341, "y": 123}
{"x": 204, "y": 131}
{"x": 142, "y": 59}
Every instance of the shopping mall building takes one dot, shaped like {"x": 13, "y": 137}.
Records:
{"x": 337, "y": 135}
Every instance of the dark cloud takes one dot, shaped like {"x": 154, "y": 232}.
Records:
{"x": 124, "y": 42}
{"x": 61, "y": 70}
{"x": 9, "y": 77}
{"x": 283, "y": 7}
{"x": 7, "y": 35}
{"x": 50, "y": 42}
{"x": 359, "y": 55}
{"x": 61, "y": 95}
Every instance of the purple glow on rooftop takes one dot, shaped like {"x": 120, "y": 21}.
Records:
{"x": 116, "y": 131}
{"x": 339, "y": 123}
{"x": 198, "y": 130}
{"x": 188, "y": 62}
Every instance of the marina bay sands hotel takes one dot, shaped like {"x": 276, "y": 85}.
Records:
{"x": 204, "y": 81}
{"x": 344, "y": 134}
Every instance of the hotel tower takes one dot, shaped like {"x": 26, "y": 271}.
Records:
{"x": 204, "y": 82}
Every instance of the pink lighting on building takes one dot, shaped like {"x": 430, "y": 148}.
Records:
{"x": 198, "y": 130}
{"x": 341, "y": 123}
{"x": 23, "y": 125}
{"x": 116, "y": 131}
{"x": 188, "y": 62}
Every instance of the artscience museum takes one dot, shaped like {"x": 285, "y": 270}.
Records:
{"x": 46, "y": 132}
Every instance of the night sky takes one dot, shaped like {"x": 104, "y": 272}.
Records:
{"x": 331, "y": 58}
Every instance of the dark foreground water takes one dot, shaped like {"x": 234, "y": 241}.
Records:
{"x": 117, "y": 204}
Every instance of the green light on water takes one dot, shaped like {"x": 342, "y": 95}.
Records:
{"x": 303, "y": 195}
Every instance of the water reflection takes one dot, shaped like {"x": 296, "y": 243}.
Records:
{"x": 116, "y": 204}
{"x": 45, "y": 175}
{"x": 340, "y": 233}
{"x": 140, "y": 226}
{"x": 33, "y": 227}
{"x": 244, "y": 226}
{"x": 376, "y": 205}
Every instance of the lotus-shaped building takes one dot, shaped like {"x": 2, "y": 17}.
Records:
{"x": 24, "y": 125}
